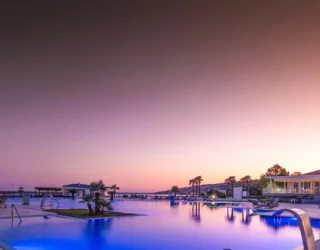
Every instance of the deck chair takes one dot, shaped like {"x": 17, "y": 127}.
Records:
{"x": 3, "y": 202}
{"x": 26, "y": 200}
{"x": 273, "y": 204}
{"x": 256, "y": 203}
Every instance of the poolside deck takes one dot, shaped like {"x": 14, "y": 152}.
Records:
{"x": 312, "y": 210}
{"x": 24, "y": 211}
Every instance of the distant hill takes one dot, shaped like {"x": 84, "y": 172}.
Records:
{"x": 204, "y": 187}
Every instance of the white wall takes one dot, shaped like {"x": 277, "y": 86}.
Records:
{"x": 237, "y": 193}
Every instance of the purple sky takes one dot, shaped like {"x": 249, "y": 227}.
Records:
{"x": 149, "y": 95}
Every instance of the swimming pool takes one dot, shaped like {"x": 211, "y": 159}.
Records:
{"x": 185, "y": 226}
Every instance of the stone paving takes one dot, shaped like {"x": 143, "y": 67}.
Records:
{"x": 24, "y": 211}
{"x": 311, "y": 210}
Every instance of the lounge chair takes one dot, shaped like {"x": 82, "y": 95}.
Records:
{"x": 273, "y": 203}
{"x": 256, "y": 203}
{"x": 3, "y": 202}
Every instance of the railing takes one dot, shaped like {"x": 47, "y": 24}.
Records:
{"x": 308, "y": 240}
{"x": 290, "y": 191}
{"x": 14, "y": 207}
{"x": 54, "y": 201}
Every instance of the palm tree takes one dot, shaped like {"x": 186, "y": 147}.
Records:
{"x": 198, "y": 181}
{"x": 192, "y": 183}
{"x": 175, "y": 190}
{"x": 72, "y": 192}
{"x": 88, "y": 199}
{"x": 231, "y": 180}
{"x": 98, "y": 188}
{"x": 113, "y": 192}
{"x": 245, "y": 181}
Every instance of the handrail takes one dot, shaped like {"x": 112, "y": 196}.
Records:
{"x": 290, "y": 191}
{"x": 43, "y": 201}
{"x": 52, "y": 203}
{"x": 14, "y": 207}
{"x": 308, "y": 240}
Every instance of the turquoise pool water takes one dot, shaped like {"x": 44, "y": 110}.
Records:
{"x": 185, "y": 226}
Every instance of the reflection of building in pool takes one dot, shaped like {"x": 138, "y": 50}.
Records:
{"x": 195, "y": 211}
{"x": 230, "y": 214}
{"x": 82, "y": 189}
{"x": 246, "y": 217}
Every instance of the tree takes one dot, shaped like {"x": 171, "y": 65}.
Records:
{"x": 98, "y": 188}
{"x": 276, "y": 170}
{"x": 210, "y": 192}
{"x": 88, "y": 199}
{"x": 231, "y": 180}
{"x": 216, "y": 193}
{"x": 296, "y": 173}
{"x": 245, "y": 182}
{"x": 113, "y": 192}
{"x": 198, "y": 181}
{"x": 72, "y": 192}
{"x": 192, "y": 182}
{"x": 175, "y": 190}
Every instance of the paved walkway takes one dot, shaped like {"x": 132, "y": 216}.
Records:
{"x": 24, "y": 211}
{"x": 312, "y": 210}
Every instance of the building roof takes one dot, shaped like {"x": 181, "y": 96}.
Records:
{"x": 317, "y": 172}
{"x": 311, "y": 176}
{"x": 295, "y": 178}
{"x": 76, "y": 185}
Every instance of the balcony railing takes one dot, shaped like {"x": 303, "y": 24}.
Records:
{"x": 290, "y": 191}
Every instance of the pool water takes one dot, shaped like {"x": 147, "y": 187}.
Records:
{"x": 184, "y": 226}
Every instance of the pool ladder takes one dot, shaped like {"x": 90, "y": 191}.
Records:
{"x": 52, "y": 201}
{"x": 13, "y": 207}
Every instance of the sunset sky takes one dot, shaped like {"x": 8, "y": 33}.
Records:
{"x": 148, "y": 94}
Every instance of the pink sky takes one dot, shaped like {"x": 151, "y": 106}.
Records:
{"x": 147, "y": 108}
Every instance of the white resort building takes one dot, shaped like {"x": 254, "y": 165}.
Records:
{"x": 305, "y": 186}
{"x": 82, "y": 189}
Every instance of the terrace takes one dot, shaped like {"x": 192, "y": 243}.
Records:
{"x": 305, "y": 184}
